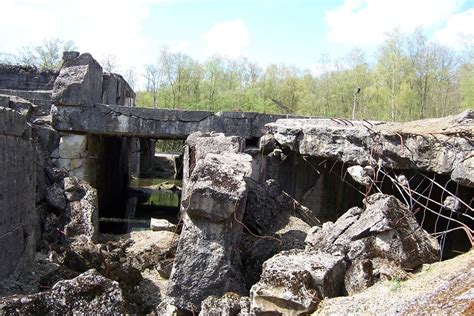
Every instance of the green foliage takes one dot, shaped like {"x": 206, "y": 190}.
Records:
{"x": 169, "y": 146}
{"x": 46, "y": 56}
{"x": 467, "y": 86}
{"x": 395, "y": 284}
{"x": 411, "y": 78}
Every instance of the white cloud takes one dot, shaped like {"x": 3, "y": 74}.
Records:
{"x": 367, "y": 21}
{"x": 100, "y": 27}
{"x": 229, "y": 38}
{"x": 459, "y": 30}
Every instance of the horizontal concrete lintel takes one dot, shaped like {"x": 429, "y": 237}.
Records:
{"x": 157, "y": 123}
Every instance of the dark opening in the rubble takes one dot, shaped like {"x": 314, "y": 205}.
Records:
{"x": 158, "y": 187}
{"x": 113, "y": 160}
{"x": 321, "y": 185}
{"x": 441, "y": 206}
{"x": 252, "y": 142}
{"x": 136, "y": 180}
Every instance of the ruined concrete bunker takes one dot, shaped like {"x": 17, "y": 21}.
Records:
{"x": 254, "y": 185}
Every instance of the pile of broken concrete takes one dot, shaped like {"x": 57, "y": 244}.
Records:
{"x": 246, "y": 247}
{"x": 237, "y": 232}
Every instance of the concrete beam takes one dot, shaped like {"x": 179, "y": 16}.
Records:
{"x": 157, "y": 123}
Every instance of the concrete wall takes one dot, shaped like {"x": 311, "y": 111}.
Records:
{"x": 116, "y": 91}
{"x": 147, "y": 152}
{"x": 26, "y": 78}
{"x": 17, "y": 193}
{"x": 315, "y": 183}
{"x": 107, "y": 163}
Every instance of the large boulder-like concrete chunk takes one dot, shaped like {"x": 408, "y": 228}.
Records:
{"x": 89, "y": 293}
{"x": 207, "y": 260}
{"x": 385, "y": 229}
{"x": 229, "y": 304}
{"x": 55, "y": 197}
{"x": 362, "y": 175}
{"x": 463, "y": 173}
{"x": 293, "y": 282}
{"x": 79, "y": 82}
{"x": 280, "y": 219}
{"x": 82, "y": 211}
{"x": 72, "y": 146}
{"x": 198, "y": 145}
{"x": 218, "y": 186}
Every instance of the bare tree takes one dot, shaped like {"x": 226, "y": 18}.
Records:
{"x": 131, "y": 77}
{"x": 50, "y": 52}
{"x": 48, "y": 55}
{"x": 110, "y": 63}
{"x": 27, "y": 56}
{"x": 6, "y": 58}
{"x": 153, "y": 78}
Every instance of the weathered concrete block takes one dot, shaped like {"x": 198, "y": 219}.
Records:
{"x": 4, "y": 101}
{"x": 156, "y": 123}
{"x": 83, "y": 213}
{"x": 412, "y": 145}
{"x": 17, "y": 193}
{"x": 207, "y": 260}
{"x": 13, "y": 123}
{"x": 463, "y": 173}
{"x": 116, "y": 91}
{"x": 271, "y": 212}
{"x": 26, "y": 78}
{"x": 228, "y": 305}
{"x": 47, "y": 137}
{"x": 157, "y": 224}
{"x": 359, "y": 276}
{"x": 12, "y": 244}
{"x": 79, "y": 82}
{"x": 199, "y": 144}
{"x": 385, "y": 229}
{"x": 73, "y": 146}
{"x": 55, "y": 197}
{"x": 89, "y": 293}
{"x": 267, "y": 144}
{"x": 293, "y": 282}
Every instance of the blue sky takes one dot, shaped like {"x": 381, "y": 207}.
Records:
{"x": 266, "y": 31}
{"x": 277, "y": 31}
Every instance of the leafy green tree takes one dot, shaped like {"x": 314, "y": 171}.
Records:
{"x": 391, "y": 70}
{"x": 410, "y": 78}
{"x": 48, "y": 55}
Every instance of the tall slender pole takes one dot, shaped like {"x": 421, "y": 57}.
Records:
{"x": 356, "y": 102}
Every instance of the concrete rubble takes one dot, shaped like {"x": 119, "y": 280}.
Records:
{"x": 227, "y": 305}
{"x": 157, "y": 224}
{"x": 293, "y": 282}
{"x": 88, "y": 293}
{"x": 79, "y": 82}
{"x": 213, "y": 202}
{"x": 272, "y": 213}
{"x": 417, "y": 144}
{"x": 278, "y": 215}
{"x": 385, "y": 229}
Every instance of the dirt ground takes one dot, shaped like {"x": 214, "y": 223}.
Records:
{"x": 441, "y": 288}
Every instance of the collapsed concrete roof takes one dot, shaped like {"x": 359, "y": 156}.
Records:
{"x": 443, "y": 145}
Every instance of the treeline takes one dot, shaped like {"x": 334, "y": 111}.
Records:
{"x": 47, "y": 55}
{"x": 411, "y": 78}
